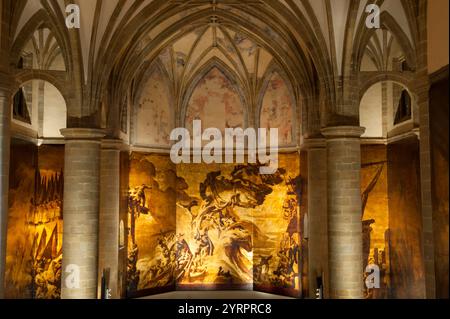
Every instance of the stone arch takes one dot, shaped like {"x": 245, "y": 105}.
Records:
{"x": 50, "y": 110}
{"x": 29, "y": 75}
{"x": 381, "y": 121}
{"x": 149, "y": 50}
{"x": 398, "y": 78}
{"x": 365, "y": 34}
{"x": 39, "y": 20}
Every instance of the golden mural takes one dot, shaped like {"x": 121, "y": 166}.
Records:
{"x": 237, "y": 216}
{"x": 34, "y": 245}
{"x": 277, "y": 253}
{"x": 375, "y": 215}
{"x": 151, "y": 222}
{"x": 207, "y": 226}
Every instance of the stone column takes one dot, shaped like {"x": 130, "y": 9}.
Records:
{"x": 344, "y": 212}
{"x": 110, "y": 214}
{"x": 5, "y": 141}
{"x": 422, "y": 91}
{"x": 81, "y": 213}
{"x": 317, "y": 214}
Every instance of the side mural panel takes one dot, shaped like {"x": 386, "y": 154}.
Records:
{"x": 229, "y": 230}
{"x": 375, "y": 218}
{"x": 405, "y": 222}
{"x": 34, "y": 244}
{"x": 277, "y": 249}
{"x": 439, "y": 153}
{"x": 19, "y": 281}
{"x": 151, "y": 223}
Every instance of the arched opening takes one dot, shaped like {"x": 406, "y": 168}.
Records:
{"x": 39, "y": 106}
{"x": 35, "y": 225}
{"x": 390, "y": 188}
{"x": 387, "y": 110}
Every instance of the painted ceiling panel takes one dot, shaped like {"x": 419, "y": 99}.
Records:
{"x": 184, "y": 45}
{"x": 263, "y": 62}
{"x": 247, "y": 49}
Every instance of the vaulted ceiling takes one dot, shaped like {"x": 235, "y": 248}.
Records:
{"x": 316, "y": 43}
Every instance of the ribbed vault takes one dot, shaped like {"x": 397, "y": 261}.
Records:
{"x": 319, "y": 45}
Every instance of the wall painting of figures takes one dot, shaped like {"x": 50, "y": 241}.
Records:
{"x": 151, "y": 224}
{"x": 203, "y": 227}
{"x": 35, "y": 225}
{"x": 375, "y": 216}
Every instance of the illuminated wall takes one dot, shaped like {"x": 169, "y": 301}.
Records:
{"x": 34, "y": 244}
{"x": 229, "y": 220}
{"x": 439, "y": 154}
{"x": 151, "y": 223}
{"x": 277, "y": 248}
{"x": 405, "y": 221}
{"x": 375, "y": 218}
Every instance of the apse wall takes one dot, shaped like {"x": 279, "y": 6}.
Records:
{"x": 213, "y": 227}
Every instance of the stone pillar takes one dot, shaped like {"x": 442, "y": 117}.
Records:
{"x": 81, "y": 213}
{"x": 422, "y": 96}
{"x": 5, "y": 141}
{"x": 110, "y": 214}
{"x": 317, "y": 214}
{"x": 344, "y": 212}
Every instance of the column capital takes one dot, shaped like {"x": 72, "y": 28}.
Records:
{"x": 114, "y": 145}
{"x": 314, "y": 143}
{"x": 83, "y": 134}
{"x": 337, "y": 132}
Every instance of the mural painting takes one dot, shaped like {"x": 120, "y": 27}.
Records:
{"x": 216, "y": 103}
{"x": 153, "y": 113}
{"x": 277, "y": 251}
{"x": 207, "y": 226}
{"x": 375, "y": 216}
{"x": 232, "y": 219}
{"x": 151, "y": 222}
{"x": 34, "y": 246}
{"x": 278, "y": 110}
